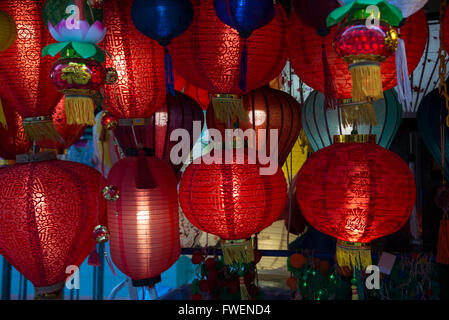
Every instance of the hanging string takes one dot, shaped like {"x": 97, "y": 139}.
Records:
{"x": 169, "y": 77}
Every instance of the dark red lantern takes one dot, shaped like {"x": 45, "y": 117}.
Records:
{"x": 267, "y": 109}
{"x": 179, "y": 111}
{"x": 143, "y": 222}
{"x": 69, "y": 133}
{"x": 49, "y": 210}
{"x": 232, "y": 201}
{"x": 314, "y": 13}
{"x": 355, "y": 192}
{"x": 26, "y": 71}
{"x": 139, "y": 61}
{"x": 305, "y": 54}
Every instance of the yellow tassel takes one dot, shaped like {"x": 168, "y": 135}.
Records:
{"x": 229, "y": 105}
{"x": 358, "y": 114}
{"x": 244, "y": 294}
{"x": 366, "y": 81}
{"x": 80, "y": 110}
{"x": 40, "y": 128}
{"x": 352, "y": 254}
{"x": 235, "y": 251}
{"x": 2, "y": 116}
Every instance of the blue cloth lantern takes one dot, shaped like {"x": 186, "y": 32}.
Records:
{"x": 163, "y": 20}
{"x": 321, "y": 125}
{"x": 430, "y": 117}
{"x": 245, "y": 16}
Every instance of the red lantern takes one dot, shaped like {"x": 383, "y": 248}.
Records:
{"x": 143, "y": 223}
{"x": 69, "y": 133}
{"x": 49, "y": 210}
{"x": 26, "y": 71}
{"x": 267, "y": 109}
{"x": 200, "y": 95}
{"x": 139, "y": 61}
{"x": 232, "y": 201}
{"x": 179, "y": 111}
{"x": 355, "y": 192}
{"x": 305, "y": 54}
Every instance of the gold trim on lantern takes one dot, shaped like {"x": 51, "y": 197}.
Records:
{"x": 237, "y": 251}
{"x": 53, "y": 292}
{"x": 40, "y": 128}
{"x": 353, "y": 254}
{"x": 355, "y": 138}
{"x": 133, "y": 122}
{"x": 6, "y": 162}
{"x": 228, "y": 106}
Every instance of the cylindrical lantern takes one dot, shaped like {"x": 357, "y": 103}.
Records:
{"x": 69, "y": 133}
{"x": 305, "y": 54}
{"x": 26, "y": 71}
{"x": 139, "y": 62}
{"x": 143, "y": 222}
{"x": 178, "y": 112}
{"x": 321, "y": 125}
{"x": 208, "y": 55}
{"x": 267, "y": 109}
{"x": 49, "y": 210}
{"x": 8, "y": 31}
{"x": 355, "y": 192}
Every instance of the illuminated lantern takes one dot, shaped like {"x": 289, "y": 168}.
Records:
{"x": 143, "y": 221}
{"x": 321, "y": 125}
{"x": 163, "y": 20}
{"x": 208, "y": 56}
{"x": 178, "y": 112}
{"x": 355, "y": 192}
{"x": 26, "y": 71}
{"x": 139, "y": 62}
{"x": 69, "y": 133}
{"x": 200, "y": 95}
{"x": 267, "y": 109}
{"x": 49, "y": 211}
{"x": 8, "y": 31}
{"x": 305, "y": 54}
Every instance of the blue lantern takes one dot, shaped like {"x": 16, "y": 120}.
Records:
{"x": 321, "y": 125}
{"x": 431, "y": 116}
{"x": 245, "y": 16}
{"x": 163, "y": 20}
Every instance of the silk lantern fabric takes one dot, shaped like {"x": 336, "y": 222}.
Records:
{"x": 232, "y": 201}
{"x": 69, "y": 133}
{"x": 429, "y": 125}
{"x": 314, "y": 13}
{"x": 26, "y": 71}
{"x": 49, "y": 210}
{"x": 139, "y": 61}
{"x": 143, "y": 223}
{"x": 208, "y": 53}
{"x": 356, "y": 192}
{"x": 179, "y": 111}
{"x": 305, "y": 54}
{"x": 321, "y": 125}
{"x": 200, "y": 95}
{"x": 267, "y": 109}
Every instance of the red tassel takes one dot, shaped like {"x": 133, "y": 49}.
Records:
{"x": 144, "y": 178}
{"x": 330, "y": 92}
{"x": 109, "y": 263}
{"x": 443, "y": 242}
{"x": 94, "y": 258}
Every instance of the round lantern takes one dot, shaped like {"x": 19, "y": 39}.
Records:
{"x": 163, "y": 20}
{"x": 139, "y": 62}
{"x": 69, "y": 133}
{"x": 355, "y": 192}
{"x": 26, "y": 71}
{"x": 305, "y": 54}
{"x": 200, "y": 95}
{"x": 314, "y": 13}
{"x": 267, "y": 109}
{"x": 178, "y": 112}
{"x": 8, "y": 31}
{"x": 208, "y": 56}
{"x": 143, "y": 222}
{"x": 321, "y": 125}
{"x": 49, "y": 210}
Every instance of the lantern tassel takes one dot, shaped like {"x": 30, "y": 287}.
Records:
{"x": 143, "y": 176}
{"x": 3, "y": 122}
{"x": 351, "y": 254}
{"x": 169, "y": 77}
{"x": 225, "y": 104}
{"x": 94, "y": 258}
{"x": 243, "y": 67}
{"x": 443, "y": 241}
{"x": 237, "y": 251}
{"x": 330, "y": 93}
{"x": 80, "y": 110}
{"x": 366, "y": 81}
{"x": 244, "y": 294}
{"x": 40, "y": 128}
{"x": 358, "y": 114}
{"x": 109, "y": 263}
{"x": 404, "y": 87}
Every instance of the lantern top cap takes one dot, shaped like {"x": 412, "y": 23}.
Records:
{"x": 36, "y": 157}
{"x": 355, "y": 138}
{"x": 388, "y": 12}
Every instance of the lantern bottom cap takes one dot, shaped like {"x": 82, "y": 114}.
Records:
{"x": 47, "y": 292}
{"x": 150, "y": 282}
